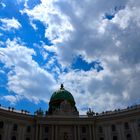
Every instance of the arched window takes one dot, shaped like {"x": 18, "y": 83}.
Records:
{"x": 113, "y": 127}
{"x": 15, "y": 127}
{"x": 46, "y": 129}
{"x": 115, "y": 138}
{"x": 13, "y": 138}
{"x": 126, "y": 125}
{"x": 100, "y": 129}
{"x": 101, "y": 138}
{"x": 83, "y": 129}
{"x": 1, "y": 124}
{"x": 28, "y": 129}
{"x": 128, "y": 137}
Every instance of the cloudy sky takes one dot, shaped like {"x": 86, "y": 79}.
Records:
{"x": 92, "y": 46}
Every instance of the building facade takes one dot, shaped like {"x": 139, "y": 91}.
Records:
{"x": 63, "y": 122}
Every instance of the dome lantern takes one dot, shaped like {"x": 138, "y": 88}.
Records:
{"x": 62, "y": 86}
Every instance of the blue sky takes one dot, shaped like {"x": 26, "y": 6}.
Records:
{"x": 90, "y": 46}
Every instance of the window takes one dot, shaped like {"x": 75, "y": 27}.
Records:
{"x": 28, "y": 129}
{"x": 27, "y": 138}
{"x": 101, "y": 138}
{"x": 113, "y": 127}
{"x": 13, "y": 138}
{"x": 128, "y": 137}
{"x": 15, "y": 127}
{"x": 138, "y": 122}
{"x": 115, "y": 138}
{"x": 100, "y": 129}
{"x": 126, "y": 125}
{"x": 1, "y": 124}
{"x": 46, "y": 129}
{"x": 83, "y": 129}
{"x": 66, "y": 136}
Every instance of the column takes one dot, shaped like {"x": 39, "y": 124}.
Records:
{"x": 52, "y": 132}
{"x": 90, "y": 136}
{"x": 121, "y": 131}
{"x": 40, "y": 132}
{"x": 134, "y": 131}
{"x": 75, "y": 134}
{"x": 78, "y": 132}
{"x": 21, "y": 132}
{"x": 56, "y": 132}
{"x": 6, "y": 131}
{"x": 107, "y": 132}
{"x": 36, "y": 132}
{"x": 19, "y": 137}
{"x": 93, "y": 132}
{"x": 8, "y": 134}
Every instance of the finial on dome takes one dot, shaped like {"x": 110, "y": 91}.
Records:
{"x": 62, "y": 86}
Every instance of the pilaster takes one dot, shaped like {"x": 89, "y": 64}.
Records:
{"x": 8, "y": 134}
{"x": 93, "y": 132}
{"x": 40, "y": 132}
{"x": 21, "y": 132}
{"x": 78, "y": 132}
{"x": 52, "y": 132}
{"x": 90, "y": 133}
{"x": 56, "y": 132}
{"x": 134, "y": 130}
{"x": 121, "y": 131}
{"x": 36, "y": 132}
{"x": 107, "y": 132}
{"x": 75, "y": 133}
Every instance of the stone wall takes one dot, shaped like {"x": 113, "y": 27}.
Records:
{"x": 123, "y": 125}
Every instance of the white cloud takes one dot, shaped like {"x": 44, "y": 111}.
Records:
{"x": 100, "y": 91}
{"x": 33, "y": 25}
{"x": 2, "y": 71}
{"x": 12, "y": 99}
{"x": 80, "y": 28}
{"x": 8, "y": 24}
{"x": 47, "y": 13}
{"x": 124, "y": 17}
{"x": 3, "y": 4}
{"x": 50, "y": 48}
{"x": 26, "y": 78}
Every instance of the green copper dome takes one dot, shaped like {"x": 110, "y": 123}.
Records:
{"x": 58, "y": 97}
{"x": 62, "y": 95}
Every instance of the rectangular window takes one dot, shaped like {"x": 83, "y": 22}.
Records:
{"x": 126, "y": 125}
{"x": 138, "y": 123}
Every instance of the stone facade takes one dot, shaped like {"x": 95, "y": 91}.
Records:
{"x": 116, "y": 125}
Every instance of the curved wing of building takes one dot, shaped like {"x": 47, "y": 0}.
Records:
{"x": 63, "y": 122}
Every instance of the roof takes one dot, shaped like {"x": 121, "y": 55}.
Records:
{"x": 61, "y": 95}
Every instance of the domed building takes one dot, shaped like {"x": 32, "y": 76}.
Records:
{"x": 62, "y": 121}
{"x": 62, "y": 103}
